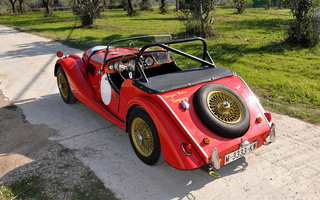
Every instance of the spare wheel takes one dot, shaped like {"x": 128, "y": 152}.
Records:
{"x": 222, "y": 110}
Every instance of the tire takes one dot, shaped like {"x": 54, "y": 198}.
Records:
{"x": 64, "y": 87}
{"x": 144, "y": 136}
{"x": 222, "y": 110}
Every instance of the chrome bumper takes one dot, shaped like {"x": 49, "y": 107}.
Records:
{"x": 272, "y": 135}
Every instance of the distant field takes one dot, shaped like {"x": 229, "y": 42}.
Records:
{"x": 285, "y": 78}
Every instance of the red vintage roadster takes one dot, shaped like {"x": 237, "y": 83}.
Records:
{"x": 170, "y": 102}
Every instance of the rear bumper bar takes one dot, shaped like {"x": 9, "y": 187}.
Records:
{"x": 272, "y": 135}
{"x": 215, "y": 158}
{"x": 270, "y": 139}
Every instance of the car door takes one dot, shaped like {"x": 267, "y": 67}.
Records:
{"x": 107, "y": 93}
{"x": 101, "y": 84}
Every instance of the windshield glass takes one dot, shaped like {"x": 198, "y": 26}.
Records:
{"x": 138, "y": 42}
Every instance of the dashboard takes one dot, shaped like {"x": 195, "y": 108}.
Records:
{"x": 148, "y": 60}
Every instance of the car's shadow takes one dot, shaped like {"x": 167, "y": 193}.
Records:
{"x": 106, "y": 149}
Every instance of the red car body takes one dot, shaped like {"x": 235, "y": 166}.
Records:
{"x": 186, "y": 143}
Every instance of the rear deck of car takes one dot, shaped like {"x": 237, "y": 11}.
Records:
{"x": 180, "y": 79}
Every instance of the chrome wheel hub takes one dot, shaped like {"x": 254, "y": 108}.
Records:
{"x": 139, "y": 138}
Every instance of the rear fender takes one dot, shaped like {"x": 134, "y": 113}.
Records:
{"x": 171, "y": 137}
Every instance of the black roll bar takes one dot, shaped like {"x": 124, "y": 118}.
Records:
{"x": 131, "y": 38}
{"x": 164, "y": 46}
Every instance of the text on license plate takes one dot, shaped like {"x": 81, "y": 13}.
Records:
{"x": 240, "y": 153}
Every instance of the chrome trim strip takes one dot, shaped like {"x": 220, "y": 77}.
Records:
{"x": 257, "y": 102}
{"x": 215, "y": 158}
{"x": 185, "y": 129}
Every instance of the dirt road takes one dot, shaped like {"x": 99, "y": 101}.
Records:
{"x": 287, "y": 169}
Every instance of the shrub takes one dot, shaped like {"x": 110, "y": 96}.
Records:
{"x": 199, "y": 16}
{"x": 304, "y": 30}
{"x": 193, "y": 28}
{"x": 242, "y": 4}
{"x": 163, "y": 7}
{"x": 314, "y": 27}
{"x": 88, "y": 11}
{"x": 145, "y": 5}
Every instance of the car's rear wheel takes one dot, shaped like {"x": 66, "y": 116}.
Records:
{"x": 64, "y": 87}
{"x": 222, "y": 110}
{"x": 144, "y": 136}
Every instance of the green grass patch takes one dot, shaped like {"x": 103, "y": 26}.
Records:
{"x": 252, "y": 44}
{"x": 26, "y": 188}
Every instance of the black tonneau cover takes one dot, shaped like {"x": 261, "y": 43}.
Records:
{"x": 180, "y": 79}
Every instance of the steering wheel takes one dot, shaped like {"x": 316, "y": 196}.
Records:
{"x": 130, "y": 69}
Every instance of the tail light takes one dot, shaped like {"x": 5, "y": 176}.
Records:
{"x": 268, "y": 116}
{"x": 186, "y": 148}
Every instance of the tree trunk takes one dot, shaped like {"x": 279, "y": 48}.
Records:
{"x": 13, "y": 2}
{"x": 130, "y": 8}
{"x": 163, "y": 7}
{"x": 203, "y": 33}
{"x": 177, "y": 5}
{"x": 20, "y": 5}
{"x": 46, "y": 4}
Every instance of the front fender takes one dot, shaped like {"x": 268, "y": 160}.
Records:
{"x": 171, "y": 137}
{"x": 69, "y": 62}
{"x": 74, "y": 69}
{"x": 81, "y": 87}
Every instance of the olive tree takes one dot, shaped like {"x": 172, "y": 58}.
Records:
{"x": 87, "y": 10}
{"x": 199, "y": 16}
{"x": 46, "y": 4}
{"x": 305, "y": 28}
{"x": 13, "y": 2}
{"x": 242, "y": 4}
{"x": 163, "y": 7}
{"x": 145, "y": 5}
{"x": 131, "y": 12}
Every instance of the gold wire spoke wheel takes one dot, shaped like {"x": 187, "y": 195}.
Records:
{"x": 225, "y": 106}
{"x": 142, "y": 137}
{"x": 62, "y": 84}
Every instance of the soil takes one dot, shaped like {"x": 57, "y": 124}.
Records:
{"x": 40, "y": 167}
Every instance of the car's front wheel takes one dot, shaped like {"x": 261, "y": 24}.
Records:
{"x": 64, "y": 87}
{"x": 144, "y": 136}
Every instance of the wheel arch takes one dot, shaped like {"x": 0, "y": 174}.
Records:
{"x": 69, "y": 62}
{"x": 171, "y": 137}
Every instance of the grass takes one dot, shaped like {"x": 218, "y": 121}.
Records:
{"x": 26, "y": 188}
{"x": 286, "y": 78}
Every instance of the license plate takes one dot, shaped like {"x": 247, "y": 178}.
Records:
{"x": 240, "y": 153}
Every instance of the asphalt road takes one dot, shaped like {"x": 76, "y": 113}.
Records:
{"x": 287, "y": 169}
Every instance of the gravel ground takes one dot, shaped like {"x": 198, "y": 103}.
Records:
{"x": 41, "y": 168}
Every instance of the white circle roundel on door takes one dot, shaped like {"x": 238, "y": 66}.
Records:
{"x": 105, "y": 90}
